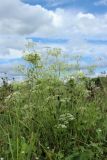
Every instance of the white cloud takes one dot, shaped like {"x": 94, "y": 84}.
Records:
{"x": 86, "y": 16}
{"x": 13, "y": 54}
{"x": 11, "y": 46}
{"x": 68, "y": 23}
{"x": 19, "y": 18}
{"x": 10, "y": 68}
{"x": 98, "y": 52}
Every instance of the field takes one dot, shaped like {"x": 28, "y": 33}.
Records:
{"x": 46, "y": 117}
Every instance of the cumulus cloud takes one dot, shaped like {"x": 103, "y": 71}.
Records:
{"x": 94, "y": 53}
{"x": 11, "y": 47}
{"x": 19, "y": 18}
{"x": 68, "y": 23}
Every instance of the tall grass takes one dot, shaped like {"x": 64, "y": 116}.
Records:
{"x": 46, "y": 118}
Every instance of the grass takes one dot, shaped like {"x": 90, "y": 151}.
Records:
{"x": 46, "y": 118}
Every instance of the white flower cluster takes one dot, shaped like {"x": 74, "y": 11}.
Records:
{"x": 66, "y": 116}
{"x": 61, "y": 126}
{"x": 80, "y": 74}
{"x": 64, "y": 120}
{"x": 99, "y": 130}
{"x": 68, "y": 78}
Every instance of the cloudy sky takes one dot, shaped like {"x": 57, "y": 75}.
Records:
{"x": 77, "y": 26}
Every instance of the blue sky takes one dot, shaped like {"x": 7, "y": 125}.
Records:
{"x": 76, "y": 26}
{"x": 86, "y": 5}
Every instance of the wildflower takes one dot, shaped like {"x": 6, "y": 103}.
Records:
{"x": 80, "y": 74}
{"x": 1, "y": 158}
{"x": 99, "y": 130}
{"x": 62, "y": 115}
{"x": 66, "y": 117}
{"x": 61, "y": 126}
{"x": 71, "y": 118}
{"x": 72, "y": 77}
{"x": 23, "y": 152}
{"x": 66, "y": 122}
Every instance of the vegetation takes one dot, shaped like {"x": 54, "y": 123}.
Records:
{"x": 48, "y": 117}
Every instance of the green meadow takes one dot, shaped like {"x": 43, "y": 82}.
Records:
{"x": 52, "y": 116}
